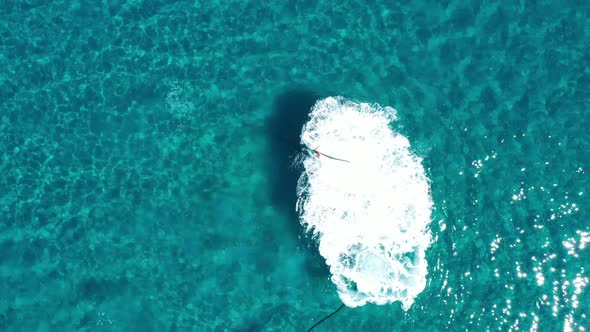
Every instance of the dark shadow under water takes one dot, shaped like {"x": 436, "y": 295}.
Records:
{"x": 290, "y": 112}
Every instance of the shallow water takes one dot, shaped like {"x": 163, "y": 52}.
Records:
{"x": 146, "y": 150}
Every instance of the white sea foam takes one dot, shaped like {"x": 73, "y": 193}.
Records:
{"x": 371, "y": 215}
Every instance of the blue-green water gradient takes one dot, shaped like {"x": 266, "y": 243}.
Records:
{"x": 144, "y": 160}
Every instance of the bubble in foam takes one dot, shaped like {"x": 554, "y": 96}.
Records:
{"x": 371, "y": 215}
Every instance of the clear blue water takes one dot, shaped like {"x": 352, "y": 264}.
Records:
{"x": 145, "y": 145}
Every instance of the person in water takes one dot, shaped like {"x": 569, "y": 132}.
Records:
{"x": 316, "y": 152}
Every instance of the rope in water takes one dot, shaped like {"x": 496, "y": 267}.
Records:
{"x": 317, "y": 153}
{"x": 321, "y": 321}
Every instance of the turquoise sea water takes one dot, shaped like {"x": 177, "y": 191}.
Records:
{"x": 145, "y": 152}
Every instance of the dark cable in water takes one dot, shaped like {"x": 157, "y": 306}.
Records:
{"x": 330, "y": 315}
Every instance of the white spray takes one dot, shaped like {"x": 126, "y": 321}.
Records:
{"x": 370, "y": 215}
